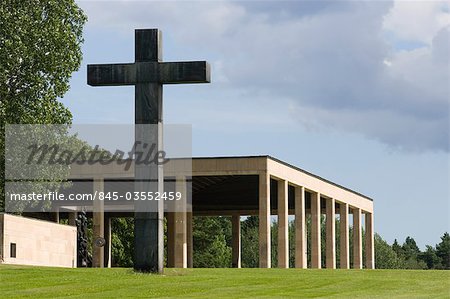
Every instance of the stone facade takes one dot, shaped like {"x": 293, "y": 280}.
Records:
{"x": 37, "y": 242}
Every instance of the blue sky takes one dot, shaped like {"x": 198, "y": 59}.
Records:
{"x": 354, "y": 91}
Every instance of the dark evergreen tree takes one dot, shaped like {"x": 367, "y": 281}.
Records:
{"x": 250, "y": 242}
{"x": 397, "y": 249}
{"x": 443, "y": 250}
{"x": 211, "y": 249}
{"x": 410, "y": 248}
{"x": 430, "y": 258}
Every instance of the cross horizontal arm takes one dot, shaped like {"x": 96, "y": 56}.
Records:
{"x": 111, "y": 74}
{"x": 184, "y": 72}
{"x": 141, "y": 72}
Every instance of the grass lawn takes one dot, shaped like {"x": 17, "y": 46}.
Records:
{"x": 23, "y": 281}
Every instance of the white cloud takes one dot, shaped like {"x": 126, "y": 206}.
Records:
{"x": 427, "y": 69}
{"x": 417, "y": 20}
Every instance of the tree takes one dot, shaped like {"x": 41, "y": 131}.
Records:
{"x": 430, "y": 258}
{"x": 40, "y": 42}
{"x": 397, "y": 248}
{"x": 211, "y": 248}
{"x": 122, "y": 239}
{"x": 443, "y": 251}
{"x": 410, "y": 257}
{"x": 385, "y": 255}
{"x": 274, "y": 244}
{"x": 410, "y": 248}
{"x": 250, "y": 242}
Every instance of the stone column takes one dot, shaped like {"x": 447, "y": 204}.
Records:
{"x": 108, "y": 245}
{"x": 316, "y": 254}
{"x": 357, "y": 239}
{"x": 3, "y": 254}
{"x": 370, "y": 252}
{"x": 56, "y": 216}
{"x": 264, "y": 221}
{"x": 300, "y": 229}
{"x": 236, "y": 243}
{"x": 283, "y": 225}
{"x": 98, "y": 225}
{"x": 331, "y": 234}
{"x": 344, "y": 240}
{"x": 170, "y": 218}
{"x": 180, "y": 258}
{"x": 72, "y": 218}
{"x": 190, "y": 240}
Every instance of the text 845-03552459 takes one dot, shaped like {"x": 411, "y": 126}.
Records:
{"x": 170, "y": 196}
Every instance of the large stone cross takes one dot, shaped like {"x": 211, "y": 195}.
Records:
{"x": 148, "y": 73}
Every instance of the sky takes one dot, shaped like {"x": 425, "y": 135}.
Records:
{"x": 354, "y": 91}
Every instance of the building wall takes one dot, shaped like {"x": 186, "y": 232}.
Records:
{"x": 38, "y": 242}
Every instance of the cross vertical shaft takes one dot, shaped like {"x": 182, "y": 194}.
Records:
{"x": 148, "y": 216}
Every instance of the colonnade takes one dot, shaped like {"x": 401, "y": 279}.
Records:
{"x": 180, "y": 240}
{"x": 300, "y": 229}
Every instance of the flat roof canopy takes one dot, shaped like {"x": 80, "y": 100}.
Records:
{"x": 223, "y": 185}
